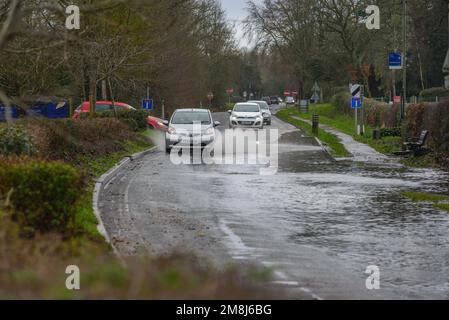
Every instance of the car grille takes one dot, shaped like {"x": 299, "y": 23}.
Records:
{"x": 246, "y": 121}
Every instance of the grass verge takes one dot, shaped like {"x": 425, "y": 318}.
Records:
{"x": 439, "y": 201}
{"x": 97, "y": 166}
{"x": 345, "y": 123}
{"x": 337, "y": 149}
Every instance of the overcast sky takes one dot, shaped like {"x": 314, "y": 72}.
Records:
{"x": 236, "y": 11}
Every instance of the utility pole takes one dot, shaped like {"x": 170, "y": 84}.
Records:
{"x": 404, "y": 69}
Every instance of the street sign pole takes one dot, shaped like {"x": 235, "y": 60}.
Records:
{"x": 163, "y": 109}
{"x": 362, "y": 120}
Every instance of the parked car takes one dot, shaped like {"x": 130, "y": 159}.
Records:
{"x": 290, "y": 100}
{"x": 181, "y": 129}
{"x": 246, "y": 115}
{"x": 156, "y": 124}
{"x": 101, "y": 106}
{"x": 266, "y": 113}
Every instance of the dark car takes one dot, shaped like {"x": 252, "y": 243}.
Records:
{"x": 274, "y": 100}
{"x": 267, "y": 100}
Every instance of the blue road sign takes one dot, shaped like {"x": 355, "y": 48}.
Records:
{"x": 147, "y": 104}
{"x": 356, "y": 103}
{"x": 395, "y": 61}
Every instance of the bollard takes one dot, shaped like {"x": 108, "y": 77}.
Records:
{"x": 377, "y": 135}
{"x": 315, "y": 124}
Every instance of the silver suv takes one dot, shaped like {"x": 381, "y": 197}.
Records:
{"x": 246, "y": 115}
{"x": 190, "y": 127}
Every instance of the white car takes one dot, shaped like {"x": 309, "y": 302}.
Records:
{"x": 266, "y": 113}
{"x": 246, "y": 115}
{"x": 290, "y": 100}
{"x": 190, "y": 127}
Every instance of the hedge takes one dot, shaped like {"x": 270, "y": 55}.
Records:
{"x": 433, "y": 117}
{"x": 43, "y": 195}
{"x": 136, "y": 119}
{"x": 15, "y": 141}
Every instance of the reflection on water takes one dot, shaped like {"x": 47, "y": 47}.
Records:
{"x": 356, "y": 212}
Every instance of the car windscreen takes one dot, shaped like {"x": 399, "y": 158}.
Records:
{"x": 262, "y": 104}
{"x": 187, "y": 117}
{"x": 247, "y": 108}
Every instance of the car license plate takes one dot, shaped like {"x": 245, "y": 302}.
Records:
{"x": 247, "y": 122}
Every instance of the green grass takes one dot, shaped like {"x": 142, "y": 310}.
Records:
{"x": 439, "y": 201}
{"x": 442, "y": 206}
{"x": 424, "y": 197}
{"x": 86, "y": 221}
{"x": 336, "y": 147}
{"x": 345, "y": 124}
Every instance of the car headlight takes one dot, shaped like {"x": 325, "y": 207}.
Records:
{"x": 172, "y": 130}
{"x": 233, "y": 118}
{"x": 209, "y": 131}
{"x": 266, "y": 115}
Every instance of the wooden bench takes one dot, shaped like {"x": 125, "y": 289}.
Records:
{"x": 416, "y": 146}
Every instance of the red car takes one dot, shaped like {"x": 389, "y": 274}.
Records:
{"x": 157, "y": 124}
{"x": 101, "y": 106}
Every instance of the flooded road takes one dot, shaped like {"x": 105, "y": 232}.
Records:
{"x": 317, "y": 223}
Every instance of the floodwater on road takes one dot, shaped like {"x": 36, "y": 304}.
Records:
{"x": 318, "y": 223}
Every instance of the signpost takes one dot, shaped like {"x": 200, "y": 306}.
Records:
{"x": 395, "y": 61}
{"x": 230, "y": 92}
{"x": 286, "y": 93}
{"x": 316, "y": 93}
{"x": 356, "y": 104}
{"x": 147, "y": 104}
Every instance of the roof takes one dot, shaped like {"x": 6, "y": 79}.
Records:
{"x": 191, "y": 110}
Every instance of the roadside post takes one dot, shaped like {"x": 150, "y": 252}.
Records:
{"x": 70, "y": 108}
{"x": 91, "y": 106}
{"x": 304, "y": 106}
{"x": 356, "y": 93}
{"x": 230, "y": 92}
{"x": 163, "y": 109}
{"x": 210, "y": 97}
{"x": 315, "y": 124}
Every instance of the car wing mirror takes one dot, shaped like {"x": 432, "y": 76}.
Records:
{"x": 165, "y": 122}
{"x": 217, "y": 124}
{"x": 230, "y": 111}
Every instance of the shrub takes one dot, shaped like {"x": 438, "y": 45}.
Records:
{"x": 434, "y": 92}
{"x": 136, "y": 120}
{"x": 342, "y": 101}
{"x": 70, "y": 140}
{"x": 380, "y": 114}
{"x": 432, "y": 117}
{"x": 391, "y": 132}
{"x": 15, "y": 141}
{"x": 43, "y": 195}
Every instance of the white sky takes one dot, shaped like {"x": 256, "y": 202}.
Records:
{"x": 236, "y": 11}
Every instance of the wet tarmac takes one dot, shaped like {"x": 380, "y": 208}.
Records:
{"x": 318, "y": 223}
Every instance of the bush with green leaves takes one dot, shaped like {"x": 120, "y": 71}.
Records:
{"x": 434, "y": 92}
{"x": 43, "y": 195}
{"x": 135, "y": 119}
{"x": 15, "y": 141}
{"x": 342, "y": 101}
